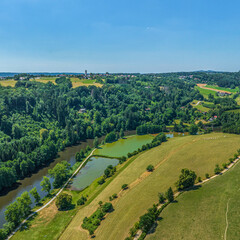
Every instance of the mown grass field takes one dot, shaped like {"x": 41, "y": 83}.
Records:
{"x": 6, "y": 83}
{"x": 201, "y": 214}
{"x": 199, "y": 153}
{"x": 206, "y": 92}
{"x": 200, "y": 107}
{"x": 223, "y": 89}
{"x": 76, "y": 82}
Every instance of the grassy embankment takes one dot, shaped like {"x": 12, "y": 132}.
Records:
{"x": 194, "y": 152}
{"x": 210, "y": 212}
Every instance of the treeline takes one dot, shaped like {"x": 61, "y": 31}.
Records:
{"x": 230, "y": 122}
{"x": 148, "y": 128}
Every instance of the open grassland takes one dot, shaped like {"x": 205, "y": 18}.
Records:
{"x": 235, "y": 90}
{"x": 199, "y": 153}
{"x": 45, "y": 79}
{"x": 123, "y": 146}
{"x": 206, "y": 92}
{"x": 8, "y": 83}
{"x": 76, "y": 82}
{"x": 199, "y": 106}
{"x": 210, "y": 212}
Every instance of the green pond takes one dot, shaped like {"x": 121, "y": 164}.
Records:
{"x": 123, "y": 146}
{"x": 93, "y": 169}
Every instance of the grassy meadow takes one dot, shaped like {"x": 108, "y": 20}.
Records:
{"x": 76, "y": 82}
{"x": 235, "y": 90}
{"x": 193, "y": 152}
{"x": 200, "y": 107}
{"x": 8, "y": 83}
{"x": 201, "y": 214}
{"x": 206, "y": 92}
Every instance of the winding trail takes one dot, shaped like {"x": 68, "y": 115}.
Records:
{"x": 50, "y": 201}
{"x": 225, "y": 234}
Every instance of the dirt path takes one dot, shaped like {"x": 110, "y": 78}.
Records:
{"x": 203, "y": 86}
{"x": 49, "y": 202}
{"x": 225, "y": 234}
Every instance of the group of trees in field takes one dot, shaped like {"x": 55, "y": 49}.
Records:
{"x": 91, "y": 223}
{"x": 108, "y": 172}
{"x": 146, "y": 221}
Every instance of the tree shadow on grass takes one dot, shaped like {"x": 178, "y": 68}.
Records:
{"x": 71, "y": 207}
{"x": 26, "y": 226}
{"x": 192, "y": 188}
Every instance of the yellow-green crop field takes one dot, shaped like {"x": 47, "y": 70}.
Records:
{"x": 210, "y": 212}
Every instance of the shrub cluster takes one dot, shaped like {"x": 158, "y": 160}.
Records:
{"x": 113, "y": 197}
{"x": 81, "y": 200}
{"x": 108, "y": 172}
{"x": 91, "y": 223}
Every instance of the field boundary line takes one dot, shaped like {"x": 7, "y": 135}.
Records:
{"x": 225, "y": 234}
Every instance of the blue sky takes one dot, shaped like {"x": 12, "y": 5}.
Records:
{"x": 119, "y": 36}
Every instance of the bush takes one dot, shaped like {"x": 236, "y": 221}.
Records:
{"x": 217, "y": 169}
{"x": 124, "y": 186}
{"x": 107, "y": 207}
{"x": 186, "y": 179}
{"x": 94, "y": 220}
{"x": 199, "y": 179}
{"x": 169, "y": 195}
{"x": 122, "y": 159}
{"x": 150, "y": 168}
{"x": 64, "y": 201}
{"x": 146, "y": 222}
{"x": 82, "y": 200}
{"x": 101, "y": 181}
{"x": 114, "y": 195}
{"x": 110, "y": 137}
{"x": 224, "y": 165}
{"x": 161, "y": 197}
{"x": 143, "y": 235}
{"x": 207, "y": 175}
